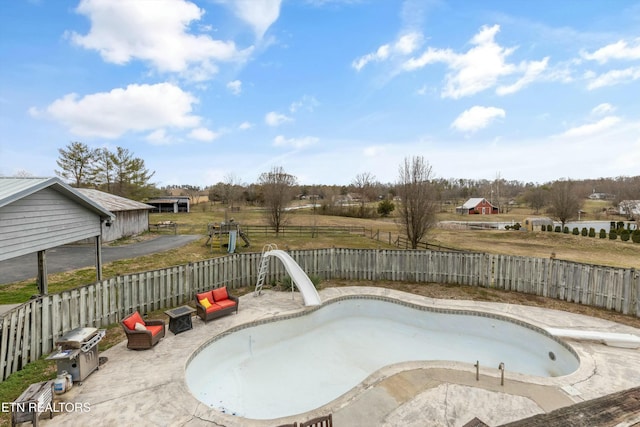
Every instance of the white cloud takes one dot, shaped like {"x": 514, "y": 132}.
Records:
{"x": 276, "y": 119}
{"x": 476, "y": 118}
{"x": 203, "y": 134}
{"x": 155, "y": 33}
{"x": 374, "y": 151}
{"x": 619, "y": 50}
{"x": 613, "y": 77}
{"x": 532, "y": 71}
{"x": 404, "y": 45}
{"x": 260, "y": 15}
{"x": 307, "y": 103}
{"x": 591, "y": 128}
{"x": 281, "y": 141}
{"x": 235, "y": 87}
{"x": 408, "y": 43}
{"x": 602, "y": 109}
{"x": 245, "y": 125}
{"x": 480, "y": 67}
{"x": 379, "y": 55}
{"x": 158, "y": 137}
{"x": 135, "y": 108}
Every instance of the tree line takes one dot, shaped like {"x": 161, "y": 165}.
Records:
{"x": 116, "y": 172}
{"x": 417, "y": 193}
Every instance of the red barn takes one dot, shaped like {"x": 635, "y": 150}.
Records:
{"x": 477, "y": 206}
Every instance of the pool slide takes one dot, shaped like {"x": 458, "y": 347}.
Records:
{"x": 612, "y": 339}
{"x": 298, "y": 276}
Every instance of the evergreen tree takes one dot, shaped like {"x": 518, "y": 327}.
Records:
{"x": 77, "y": 164}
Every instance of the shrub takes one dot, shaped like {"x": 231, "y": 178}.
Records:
{"x": 635, "y": 236}
{"x": 592, "y": 232}
{"x": 619, "y": 225}
{"x": 316, "y": 280}
{"x": 558, "y": 229}
{"x": 603, "y": 233}
{"x": 543, "y": 227}
{"x": 516, "y": 226}
{"x": 549, "y": 227}
{"x": 613, "y": 235}
{"x": 575, "y": 231}
{"x": 624, "y": 235}
{"x": 565, "y": 230}
{"x": 385, "y": 207}
{"x": 584, "y": 231}
{"x": 286, "y": 284}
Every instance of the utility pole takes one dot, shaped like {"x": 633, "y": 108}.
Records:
{"x": 498, "y": 191}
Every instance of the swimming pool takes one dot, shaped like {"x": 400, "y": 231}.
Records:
{"x": 295, "y": 364}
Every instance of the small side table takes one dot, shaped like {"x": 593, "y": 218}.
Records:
{"x": 180, "y": 319}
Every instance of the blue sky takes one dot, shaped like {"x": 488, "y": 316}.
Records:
{"x": 203, "y": 90}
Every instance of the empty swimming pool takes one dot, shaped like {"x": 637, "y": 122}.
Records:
{"x": 294, "y": 365}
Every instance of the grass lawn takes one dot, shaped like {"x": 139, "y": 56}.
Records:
{"x": 540, "y": 244}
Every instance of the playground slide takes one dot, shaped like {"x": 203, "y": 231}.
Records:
{"x": 611, "y": 339}
{"x": 305, "y": 286}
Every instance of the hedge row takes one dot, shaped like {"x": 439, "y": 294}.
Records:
{"x": 624, "y": 233}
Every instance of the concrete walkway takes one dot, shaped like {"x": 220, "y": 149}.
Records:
{"x": 147, "y": 388}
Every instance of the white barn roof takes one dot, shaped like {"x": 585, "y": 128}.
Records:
{"x": 472, "y": 203}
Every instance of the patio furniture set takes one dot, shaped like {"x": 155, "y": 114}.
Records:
{"x": 144, "y": 334}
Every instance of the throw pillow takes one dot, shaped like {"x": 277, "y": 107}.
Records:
{"x": 220, "y": 294}
{"x": 140, "y": 327}
{"x": 205, "y": 303}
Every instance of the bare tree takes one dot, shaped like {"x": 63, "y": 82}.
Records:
{"x": 536, "y": 197}
{"x": 418, "y": 202}
{"x": 277, "y": 188}
{"x": 76, "y": 162}
{"x": 231, "y": 189}
{"x": 564, "y": 201}
{"x": 364, "y": 183}
{"x": 193, "y": 192}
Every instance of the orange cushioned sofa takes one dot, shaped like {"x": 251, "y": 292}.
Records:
{"x": 142, "y": 334}
{"x": 215, "y": 303}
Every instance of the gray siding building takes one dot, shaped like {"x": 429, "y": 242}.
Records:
{"x": 37, "y": 214}
{"x": 131, "y": 217}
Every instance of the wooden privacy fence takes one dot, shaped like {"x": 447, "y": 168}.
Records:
{"x": 31, "y": 330}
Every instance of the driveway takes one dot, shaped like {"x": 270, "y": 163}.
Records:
{"x": 72, "y": 257}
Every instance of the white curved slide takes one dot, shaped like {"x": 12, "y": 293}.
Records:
{"x": 305, "y": 286}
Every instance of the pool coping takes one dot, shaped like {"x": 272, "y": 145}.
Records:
{"x": 120, "y": 384}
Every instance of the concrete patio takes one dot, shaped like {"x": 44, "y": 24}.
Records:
{"x": 148, "y": 388}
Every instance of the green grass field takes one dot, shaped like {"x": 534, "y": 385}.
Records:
{"x": 563, "y": 246}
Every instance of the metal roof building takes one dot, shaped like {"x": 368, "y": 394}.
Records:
{"x": 131, "y": 217}
{"x": 37, "y": 214}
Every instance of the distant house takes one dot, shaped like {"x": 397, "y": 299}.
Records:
{"x": 536, "y": 223}
{"x": 629, "y": 208}
{"x": 477, "y": 206}
{"x": 601, "y": 196}
{"x": 172, "y": 204}
{"x": 131, "y": 217}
